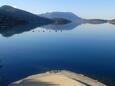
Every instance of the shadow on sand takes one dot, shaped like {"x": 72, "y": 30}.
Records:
{"x": 34, "y": 83}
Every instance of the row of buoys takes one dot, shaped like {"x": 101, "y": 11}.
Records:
{"x": 46, "y": 31}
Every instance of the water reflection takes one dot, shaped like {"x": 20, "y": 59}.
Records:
{"x": 69, "y": 26}
{"x": 0, "y": 75}
{"x": 0, "y": 64}
{"x": 9, "y": 32}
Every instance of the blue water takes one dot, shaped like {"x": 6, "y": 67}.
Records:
{"x": 87, "y": 49}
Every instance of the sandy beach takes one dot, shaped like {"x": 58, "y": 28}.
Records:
{"x": 61, "y": 78}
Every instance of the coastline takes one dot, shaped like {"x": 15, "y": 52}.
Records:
{"x": 57, "y": 78}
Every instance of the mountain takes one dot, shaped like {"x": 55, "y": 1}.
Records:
{"x": 6, "y": 21}
{"x": 96, "y": 21}
{"x": 112, "y": 21}
{"x": 8, "y": 13}
{"x": 72, "y": 17}
{"x": 65, "y": 15}
{"x": 60, "y": 21}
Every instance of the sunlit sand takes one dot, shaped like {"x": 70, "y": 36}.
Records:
{"x": 62, "y": 78}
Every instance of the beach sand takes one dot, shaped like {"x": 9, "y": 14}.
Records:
{"x": 62, "y": 78}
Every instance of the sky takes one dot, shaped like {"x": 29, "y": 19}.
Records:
{"x": 103, "y": 9}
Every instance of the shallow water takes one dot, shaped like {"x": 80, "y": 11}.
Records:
{"x": 87, "y": 49}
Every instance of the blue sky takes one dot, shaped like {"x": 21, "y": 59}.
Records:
{"x": 83, "y": 8}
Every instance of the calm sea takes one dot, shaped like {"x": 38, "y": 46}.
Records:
{"x": 86, "y": 49}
